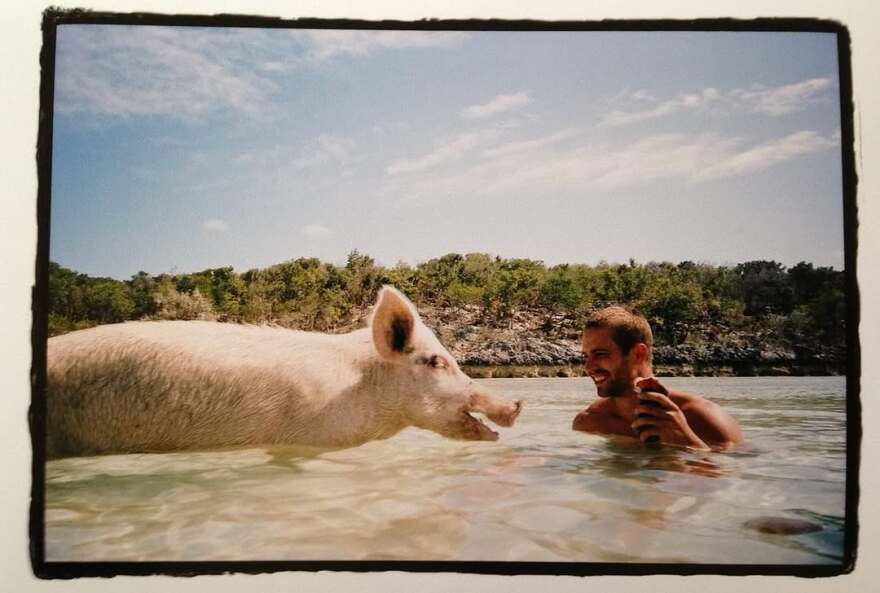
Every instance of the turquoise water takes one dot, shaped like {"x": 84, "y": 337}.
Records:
{"x": 542, "y": 492}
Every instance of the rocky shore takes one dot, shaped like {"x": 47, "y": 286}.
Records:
{"x": 535, "y": 344}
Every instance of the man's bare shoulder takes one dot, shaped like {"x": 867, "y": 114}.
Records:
{"x": 709, "y": 420}
{"x": 601, "y": 416}
{"x": 599, "y": 407}
{"x": 696, "y": 405}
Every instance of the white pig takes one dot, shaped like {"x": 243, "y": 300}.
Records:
{"x": 182, "y": 385}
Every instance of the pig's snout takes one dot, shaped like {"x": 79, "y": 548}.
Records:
{"x": 508, "y": 416}
{"x": 499, "y": 410}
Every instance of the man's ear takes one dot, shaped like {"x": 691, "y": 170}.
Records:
{"x": 393, "y": 324}
{"x": 640, "y": 353}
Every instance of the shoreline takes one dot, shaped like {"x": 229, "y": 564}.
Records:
{"x": 660, "y": 370}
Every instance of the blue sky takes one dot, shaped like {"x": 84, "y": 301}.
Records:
{"x": 179, "y": 149}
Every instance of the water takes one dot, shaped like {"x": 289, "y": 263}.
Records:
{"x": 542, "y": 492}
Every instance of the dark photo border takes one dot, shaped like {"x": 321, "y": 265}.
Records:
{"x": 52, "y": 18}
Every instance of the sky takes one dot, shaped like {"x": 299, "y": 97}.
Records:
{"x": 177, "y": 149}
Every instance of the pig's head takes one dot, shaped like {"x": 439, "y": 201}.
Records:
{"x": 435, "y": 393}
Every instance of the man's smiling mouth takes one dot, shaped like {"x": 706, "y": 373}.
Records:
{"x": 599, "y": 377}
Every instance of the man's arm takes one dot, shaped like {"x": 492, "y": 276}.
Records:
{"x": 712, "y": 423}
{"x": 683, "y": 419}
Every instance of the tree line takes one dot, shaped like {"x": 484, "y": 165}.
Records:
{"x": 799, "y": 303}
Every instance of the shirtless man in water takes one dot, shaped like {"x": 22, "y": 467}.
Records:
{"x": 617, "y": 345}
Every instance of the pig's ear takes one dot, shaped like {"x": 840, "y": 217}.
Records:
{"x": 393, "y": 323}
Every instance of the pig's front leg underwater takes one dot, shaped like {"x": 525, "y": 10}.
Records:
{"x": 183, "y": 385}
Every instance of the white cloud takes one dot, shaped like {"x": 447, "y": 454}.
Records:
{"x": 383, "y": 128}
{"x": 267, "y": 168}
{"x": 643, "y": 95}
{"x": 530, "y": 144}
{"x": 499, "y": 104}
{"x": 214, "y": 225}
{"x": 768, "y": 154}
{"x": 187, "y": 73}
{"x": 545, "y": 165}
{"x": 126, "y": 71}
{"x": 274, "y": 66}
{"x": 314, "y": 231}
{"x": 688, "y": 158}
{"x": 326, "y": 148}
{"x": 784, "y": 99}
{"x": 322, "y": 45}
{"x": 443, "y": 153}
{"x": 681, "y": 103}
{"x": 774, "y": 101}
{"x": 603, "y": 167}
{"x": 336, "y": 147}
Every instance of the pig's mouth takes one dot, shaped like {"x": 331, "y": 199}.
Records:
{"x": 477, "y": 430}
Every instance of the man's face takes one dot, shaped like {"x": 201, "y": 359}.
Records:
{"x": 610, "y": 370}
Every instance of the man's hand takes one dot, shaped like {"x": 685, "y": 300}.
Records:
{"x": 658, "y": 418}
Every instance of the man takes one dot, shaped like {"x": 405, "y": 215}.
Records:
{"x": 617, "y": 343}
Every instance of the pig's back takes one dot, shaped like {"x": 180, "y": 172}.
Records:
{"x": 215, "y": 343}
{"x": 167, "y": 385}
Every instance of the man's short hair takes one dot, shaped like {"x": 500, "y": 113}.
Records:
{"x": 628, "y": 327}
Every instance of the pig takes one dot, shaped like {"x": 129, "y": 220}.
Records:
{"x": 155, "y": 386}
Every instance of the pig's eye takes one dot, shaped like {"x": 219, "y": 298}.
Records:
{"x": 437, "y": 362}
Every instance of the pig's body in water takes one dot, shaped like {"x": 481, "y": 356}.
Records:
{"x": 167, "y": 386}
